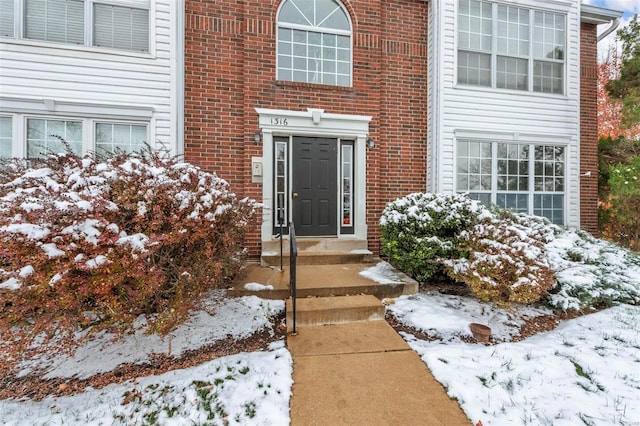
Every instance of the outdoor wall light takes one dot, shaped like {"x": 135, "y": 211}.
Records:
{"x": 370, "y": 143}
{"x": 256, "y": 137}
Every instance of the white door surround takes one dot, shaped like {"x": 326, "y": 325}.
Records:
{"x": 314, "y": 123}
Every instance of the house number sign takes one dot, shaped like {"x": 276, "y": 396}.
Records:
{"x": 279, "y": 121}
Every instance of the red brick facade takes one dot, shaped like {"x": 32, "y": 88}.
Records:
{"x": 230, "y": 69}
{"x": 588, "y": 128}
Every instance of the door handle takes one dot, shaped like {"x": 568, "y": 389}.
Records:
{"x": 294, "y": 195}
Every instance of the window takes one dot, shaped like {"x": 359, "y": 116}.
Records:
{"x": 510, "y": 47}
{"x": 112, "y": 137}
{"x": 114, "y": 26}
{"x": 54, "y": 20}
{"x": 524, "y": 178}
{"x": 6, "y": 18}
{"x": 347, "y": 184}
{"x": 5, "y": 137}
{"x": 548, "y": 52}
{"x": 314, "y": 42}
{"x": 121, "y": 27}
{"x": 43, "y": 136}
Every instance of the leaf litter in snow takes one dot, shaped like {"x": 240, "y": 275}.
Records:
{"x": 447, "y": 317}
{"x": 243, "y": 389}
{"x": 218, "y": 318}
{"x": 583, "y": 372}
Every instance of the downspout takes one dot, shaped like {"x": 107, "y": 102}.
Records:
{"x": 611, "y": 28}
{"x": 179, "y": 58}
{"x": 435, "y": 131}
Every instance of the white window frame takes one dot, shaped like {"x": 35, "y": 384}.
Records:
{"x": 494, "y": 53}
{"x": 96, "y": 122}
{"x": 531, "y": 191}
{"x": 19, "y": 129}
{"x": 88, "y": 42}
{"x": 321, "y": 30}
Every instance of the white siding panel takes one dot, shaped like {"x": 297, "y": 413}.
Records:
{"x": 38, "y": 70}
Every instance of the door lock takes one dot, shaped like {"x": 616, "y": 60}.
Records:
{"x": 294, "y": 195}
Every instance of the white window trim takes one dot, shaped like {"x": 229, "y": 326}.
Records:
{"x": 324, "y": 30}
{"x": 19, "y": 30}
{"x": 19, "y": 128}
{"x": 494, "y": 53}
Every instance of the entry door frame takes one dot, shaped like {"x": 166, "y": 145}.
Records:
{"x": 314, "y": 123}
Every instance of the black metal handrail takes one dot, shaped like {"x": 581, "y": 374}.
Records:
{"x": 293, "y": 255}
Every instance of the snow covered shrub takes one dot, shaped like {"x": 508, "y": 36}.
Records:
{"x": 592, "y": 272}
{"x": 88, "y": 241}
{"x": 420, "y": 229}
{"x": 503, "y": 261}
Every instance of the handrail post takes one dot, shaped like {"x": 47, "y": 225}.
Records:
{"x": 293, "y": 254}
{"x": 280, "y": 221}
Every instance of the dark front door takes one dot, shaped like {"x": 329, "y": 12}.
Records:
{"x": 314, "y": 186}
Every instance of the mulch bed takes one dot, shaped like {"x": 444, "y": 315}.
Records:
{"x": 36, "y": 388}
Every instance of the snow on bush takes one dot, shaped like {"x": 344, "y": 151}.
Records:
{"x": 84, "y": 240}
{"x": 506, "y": 257}
{"x": 503, "y": 261}
{"x": 592, "y": 272}
{"x": 420, "y": 229}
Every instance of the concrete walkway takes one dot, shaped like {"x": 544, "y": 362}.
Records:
{"x": 350, "y": 367}
{"x": 364, "y": 373}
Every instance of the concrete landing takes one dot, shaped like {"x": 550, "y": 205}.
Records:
{"x": 364, "y": 374}
{"x": 320, "y": 281}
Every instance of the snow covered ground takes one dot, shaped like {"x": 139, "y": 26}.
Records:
{"x": 586, "y": 371}
{"x": 248, "y": 388}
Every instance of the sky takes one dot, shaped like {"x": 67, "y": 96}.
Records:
{"x": 629, "y": 7}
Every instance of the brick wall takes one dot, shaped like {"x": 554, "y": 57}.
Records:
{"x": 588, "y": 128}
{"x": 230, "y": 70}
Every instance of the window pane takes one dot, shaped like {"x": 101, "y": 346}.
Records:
{"x": 317, "y": 56}
{"x": 55, "y": 20}
{"x": 43, "y": 136}
{"x": 474, "y": 68}
{"x": 473, "y": 166}
{"x": 111, "y": 137}
{"x": 549, "y": 206}
{"x": 5, "y": 137}
{"x": 511, "y": 73}
{"x": 548, "y": 77}
{"x": 121, "y": 27}
{"x": 6, "y": 18}
{"x": 549, "y": 35}
{"x": 474, "y": 25}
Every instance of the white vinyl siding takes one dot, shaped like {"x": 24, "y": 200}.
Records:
{"x": 54, "y": 20}
{"x": 90, "y": 83}
{"x": 6, "y": 18}
{"x": 121, "y": 27}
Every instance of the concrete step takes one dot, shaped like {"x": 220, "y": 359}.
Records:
{"x": 334, "y": 310}
{"x": 327, "y": 257}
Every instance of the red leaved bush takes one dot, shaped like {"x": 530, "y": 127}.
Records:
{"x": 89, "y": 241}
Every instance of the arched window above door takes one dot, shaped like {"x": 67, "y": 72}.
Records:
{"x": 314, "y": 42}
